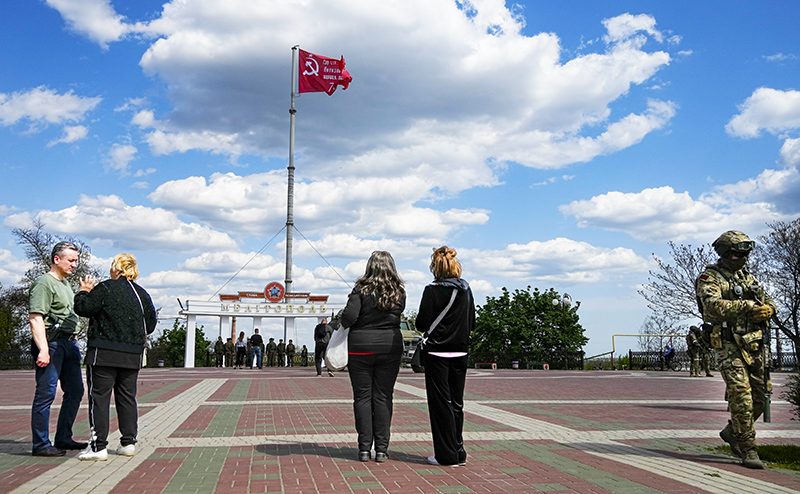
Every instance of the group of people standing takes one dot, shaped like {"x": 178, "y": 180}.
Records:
{"x": 375, "y": 346}
{"x": 121, "y": 315}
{"x": 250, "y": 352}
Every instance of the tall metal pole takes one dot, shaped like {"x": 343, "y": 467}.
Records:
{"x": 287, "y": 322}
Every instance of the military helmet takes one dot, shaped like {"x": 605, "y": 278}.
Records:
{"x": 733, "y": 240}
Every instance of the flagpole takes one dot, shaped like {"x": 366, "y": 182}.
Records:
{"x": 287, "y": 322}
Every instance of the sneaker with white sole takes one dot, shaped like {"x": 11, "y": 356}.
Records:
{"x": 432, "y": 461}
{"x": 89, "y": 455}
{"x": 128, "y": 450}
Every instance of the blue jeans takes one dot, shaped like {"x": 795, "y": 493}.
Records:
{"x": 256, "y": 357}
{"x": 64, "y": 366}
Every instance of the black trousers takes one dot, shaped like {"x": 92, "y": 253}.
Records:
{"x": 319, "y": 356}
{"x": 445, "y": 378}
{"x": 241, "y": 353}
{"x": 373, "y": 377}
{"x": 101, "y": 380}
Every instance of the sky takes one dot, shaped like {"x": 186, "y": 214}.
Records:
{"x": 552, "y": 144}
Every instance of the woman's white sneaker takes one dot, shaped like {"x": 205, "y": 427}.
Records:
{"x": 89, "y": 455}
{"x": 128, "y": 450}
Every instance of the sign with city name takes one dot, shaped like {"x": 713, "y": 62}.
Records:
{"x": 260, "y": 309}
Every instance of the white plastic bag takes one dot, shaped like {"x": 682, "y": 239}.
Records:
{"x": 336, "y": 353}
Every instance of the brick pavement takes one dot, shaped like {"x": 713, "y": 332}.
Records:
{"x": 286, "y": 430}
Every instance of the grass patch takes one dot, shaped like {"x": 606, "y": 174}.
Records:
{"x": 776, "y": 455}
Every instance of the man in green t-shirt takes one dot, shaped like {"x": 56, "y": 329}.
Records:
{"x": 53, "y": 326}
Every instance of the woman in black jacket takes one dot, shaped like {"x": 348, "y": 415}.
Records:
{"x": 121, "y": 315}
{"x": 447, "y": 315}
{"x": 375, "y": 347}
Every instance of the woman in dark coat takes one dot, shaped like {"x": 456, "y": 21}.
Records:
{"x": 375, "y": 347}
{"x": 447, "y": 315}
{"x": 121, "y": 315}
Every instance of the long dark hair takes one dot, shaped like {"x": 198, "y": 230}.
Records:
{"x": 381, "y": 279}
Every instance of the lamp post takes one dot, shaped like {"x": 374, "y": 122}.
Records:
{"x": 565, "y": 305}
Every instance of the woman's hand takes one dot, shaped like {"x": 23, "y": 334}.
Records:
{"x": 88, "y": 282}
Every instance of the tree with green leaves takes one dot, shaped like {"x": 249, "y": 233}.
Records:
{"x": 170, "y": 346}
{"x": 528, "y": 322}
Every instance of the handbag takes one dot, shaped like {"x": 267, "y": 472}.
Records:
{"x": 336, "y": 353}
{"x": 416, "y": 359}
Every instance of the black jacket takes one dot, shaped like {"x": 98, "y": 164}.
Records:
{"x": 372, "y": 330}
{"x": 452, "y": 333}
{"x": 117, "y": 321}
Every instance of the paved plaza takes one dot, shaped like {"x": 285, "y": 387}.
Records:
{"x": 231, "y": 431}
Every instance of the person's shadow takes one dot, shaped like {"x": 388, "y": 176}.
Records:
{"x": 336, "y": 452}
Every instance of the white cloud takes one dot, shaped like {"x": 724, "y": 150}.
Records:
{"x": 71, "y": 134}
{"x": 661, "y": 214}
{"x": 766, "y": 109}
{"x": 42, "y": 106}
{"x": 11, "y": 268}
{"x": 94, "y": 18}
{"x": 562, "y": 261}
{"x": 218, "y": 48}
{"x": 372, "y": 207}
{"x": 107, "y": 219}
{"x": 120, "y": 156}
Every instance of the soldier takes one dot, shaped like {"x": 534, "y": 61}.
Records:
{"x": 230, "y": 353}
{"x": 219, "y": 351}
{"x": 290, "y": 354}
{"x": 271, "y": 350}
{"x": 737, "y": 307}
{"x": 304, "y": 356}
{"x": 694, "y": 350}
{"x": 281, "y": 353}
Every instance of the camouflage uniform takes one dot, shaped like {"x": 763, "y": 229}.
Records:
{"x": 733, "y": 301}
{"x": 693, "y": 349}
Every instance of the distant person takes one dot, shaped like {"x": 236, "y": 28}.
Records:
{"x": 241, "y": 350}
{"x": 447, "y": 317}
{"x": 230, "y": 353}
{"x": 281, "y": 353}
{"x": 290, "y": 349}
{"x": 304, "y": 356}
{"x": 669, "y": 354}
{"x": 121, "y": 315}
{"x": 271, "y": 351}
{"x": 322, "y": 335}
{"x": 375, "y": 346}
{"x": 53, "y": 326}
{"x": 219, "y": 351}
{"x": 255, "y": 342}
{"x": 694, "y": 350}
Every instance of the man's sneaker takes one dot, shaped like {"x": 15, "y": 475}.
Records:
{"x": 727, "y": 435}
{"x": 128, "y": 450}
{"x": 751, "y": 460}
{"x": 89, "y": 455}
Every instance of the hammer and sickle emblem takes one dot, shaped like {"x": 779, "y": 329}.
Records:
{"x": 312, "y": 67}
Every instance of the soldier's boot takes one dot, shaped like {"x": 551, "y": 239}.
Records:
{"x": 729, "y": 437}
{"x": 708, "y": 374}
{"x": 750, "y": 459}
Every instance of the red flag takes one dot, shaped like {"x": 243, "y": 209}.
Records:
{"x": 319, "y": 73}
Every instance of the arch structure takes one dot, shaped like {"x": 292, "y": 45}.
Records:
{"x": 271, "y": 303}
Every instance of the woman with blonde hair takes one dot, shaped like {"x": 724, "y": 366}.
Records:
{"x": 121, "y": 315}
{"x": 241, "y": 351}
{"x": 446, "y": 317}
{"x": 375, "y": 347}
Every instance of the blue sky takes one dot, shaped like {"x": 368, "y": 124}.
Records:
{"x": 553, "y": 144}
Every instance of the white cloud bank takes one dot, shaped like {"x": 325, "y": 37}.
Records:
{"x": 42, "y": 106}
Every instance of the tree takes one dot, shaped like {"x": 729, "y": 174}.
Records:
{"x": 528, "y": 322}
{"x": 670, "y": 290}
{"x": 651, "y": 340}
{"x": 171, "y": 345}
{"x": 779, "y": 270}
